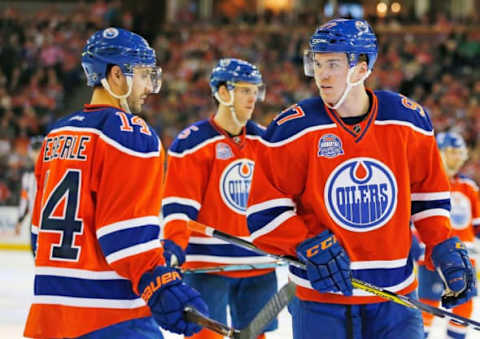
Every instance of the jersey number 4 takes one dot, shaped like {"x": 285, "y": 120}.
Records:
{"x": 67, "y": 190}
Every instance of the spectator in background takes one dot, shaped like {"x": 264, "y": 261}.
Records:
{"x": 28, "y": 191}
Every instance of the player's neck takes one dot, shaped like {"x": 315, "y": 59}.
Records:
{"x": 224, "y": 119}
{"x": 100, "y": 96}
{"x": 357, "y": 103}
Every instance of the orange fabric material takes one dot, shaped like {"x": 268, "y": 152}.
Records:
{"x": 305, "y": 178}
{"x": 206, "y": 334}
{"x": 116, "y": 185}
{"x": 202, "y": 186}
{"x": 465, "y": 310}
{"x": 59, "y": 321}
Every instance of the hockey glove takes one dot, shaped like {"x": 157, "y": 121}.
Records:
{"x": 167, "y": 296}
{"x": 174, "y": 255}
{"x": 454, "y": 267}
{"x": 328, "y": 265}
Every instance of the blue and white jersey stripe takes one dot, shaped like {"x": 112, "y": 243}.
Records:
{"x": 218, "y": 251}
{"x": 84, "y": 288}
{"x": 425, "y": 205}
{"x": 129, "y": 237}
{"x": 177, "y": 208}
{"x": 393, "y": 275}
{"x": 265, "y": 217}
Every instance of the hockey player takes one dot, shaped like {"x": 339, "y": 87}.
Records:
{"x": 28, "y": 190}
{"x": 465, "y": 217}
{"x": 99, "y": 267}
{"x": 338, "y": 179}
{"x": 209, "y": 169}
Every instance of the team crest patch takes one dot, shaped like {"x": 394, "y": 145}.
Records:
{"x": 110, "y": 33}
{"x": 361, "y": 194}
{"x": 223, "y": 151}
{"x": 329, "y": 146}
{"x": 235, "y": 184}
{"x": 461, "y": 211}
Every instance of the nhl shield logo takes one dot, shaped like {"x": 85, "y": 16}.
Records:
{"x": 235, "y": 184}
{"x": 329, "y": 146}
{"x": 361, "y": 194}
{"x": 223, "y": 151}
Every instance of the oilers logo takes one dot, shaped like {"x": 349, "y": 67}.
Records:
{"x": 110, "y": 33}
{"x": 461, "y": 212}
{"x": 329, "y": 146}
{"x": 361, "y": 194}
{"x": 235, "y": 184}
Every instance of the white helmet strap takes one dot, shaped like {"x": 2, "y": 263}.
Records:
{"x": 350, "y": 85}
{"x": 123, "y": 97}
{"x": 229, "y": 104}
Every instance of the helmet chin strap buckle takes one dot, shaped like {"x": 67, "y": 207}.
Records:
{"x": 123, "y": 97}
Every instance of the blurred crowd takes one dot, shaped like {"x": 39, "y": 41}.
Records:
{"x": 432, "y": 62}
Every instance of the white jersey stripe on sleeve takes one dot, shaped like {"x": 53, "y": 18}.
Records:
{"x": 273, "y": 224}
{"x": 130, "y": 223}
{"x": 434, "y": 212}
{"x": 88, "y": 302}
{"x": 283, "y": 202}
{"x": 183, "y": 201}
{"x": 430, "y": 196}
{"x": 133, "y": 250}
{"x": 77, "y": 273}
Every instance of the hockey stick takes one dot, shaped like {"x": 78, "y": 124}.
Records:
{"x": 378, "y": 291}
{"x": 237, "y": 267}
{"x": 271, "y": 309}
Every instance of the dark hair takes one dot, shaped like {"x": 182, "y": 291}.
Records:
{"x": 224, "y": 83}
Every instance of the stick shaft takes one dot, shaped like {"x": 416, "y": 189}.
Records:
{"x": 378, "y": 291}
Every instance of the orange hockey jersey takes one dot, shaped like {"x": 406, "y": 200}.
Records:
{"x": 208, "y": 180}
{"x": 96, "y": 210}
{"x": 363, "y": 182}
{"x": 465, "y": 211}
{"x": 465, "y": 214}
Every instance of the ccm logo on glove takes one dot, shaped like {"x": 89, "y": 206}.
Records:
{"x": 323, "y": 245}
{"x": 159, "y": 282}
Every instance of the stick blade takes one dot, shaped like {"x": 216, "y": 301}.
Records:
{"x": 269, "y": 312}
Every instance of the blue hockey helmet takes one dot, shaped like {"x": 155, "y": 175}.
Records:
{"x": 453, "y": 150}
{"x": 117, "y": 46}
{"x": 351, "y": 36}
{"x": 231, "y": 71}
{"x": 450, "y": 139}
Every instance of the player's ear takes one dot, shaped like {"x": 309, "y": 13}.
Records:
{"x": 360, "y": 70}
{"x": 224, "y": 93}
{"x": 115, "y": 76}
